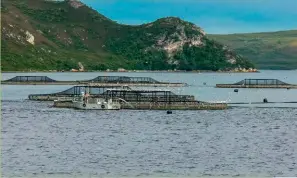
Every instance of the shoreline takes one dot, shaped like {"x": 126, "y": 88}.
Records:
{"x": 133, "y": 71}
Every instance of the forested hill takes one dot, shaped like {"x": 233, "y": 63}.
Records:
{"x": 58, "y": 35}
{"x": 268, "y": 50}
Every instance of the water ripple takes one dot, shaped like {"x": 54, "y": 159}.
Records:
{"x": 39, "y": 140}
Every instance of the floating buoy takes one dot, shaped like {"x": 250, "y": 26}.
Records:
{"x": 236, "y": 90}
{"x": 265, "y": 100}
{"x": 169, "y": 112}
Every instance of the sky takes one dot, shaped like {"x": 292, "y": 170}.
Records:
{"x": 214, "y": 16}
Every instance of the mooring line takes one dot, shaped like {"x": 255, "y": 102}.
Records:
{"x": 288, "y": 102}
{"x": 206, "y": 86}
{"x": 267, "y": 107}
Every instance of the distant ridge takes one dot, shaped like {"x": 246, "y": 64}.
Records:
{"x": 267, "y": 50}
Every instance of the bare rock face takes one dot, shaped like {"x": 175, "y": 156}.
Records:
{"x": 10, "y": 32}
{"x": 76, "y": 3}
{"x": 182, "y": 33}
{"x": 174, "y": 42}
{"x": 81, "y": 67}
{"x": 30, "y": 38}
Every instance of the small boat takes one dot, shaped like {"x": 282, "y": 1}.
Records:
{"x": 87, "y": 103}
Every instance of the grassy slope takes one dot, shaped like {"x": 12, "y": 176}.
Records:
{"x": 274, "y": 50}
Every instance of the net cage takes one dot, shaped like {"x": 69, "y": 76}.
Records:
{"x": 147, "y": 96}
{"x": 98, "y": 79}
{"x": 122, "y": 79}
{"x": 77, "y": 90}
{"x": 261, "y": 82}
{"x": 30, "y": 79}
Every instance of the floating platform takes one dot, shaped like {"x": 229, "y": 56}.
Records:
{"x": 258, "y": 83}
{"x": 97, "y": 81}
{"x": 149, "y": 100}
{"x": 158, "y": 106}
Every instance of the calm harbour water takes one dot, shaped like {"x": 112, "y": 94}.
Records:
{"x": 255, "y": 140}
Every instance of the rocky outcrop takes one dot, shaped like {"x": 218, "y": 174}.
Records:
{"x": 75, "y": 3}
{"x": 30, "y": 38}
{"x": 174, "y": 42}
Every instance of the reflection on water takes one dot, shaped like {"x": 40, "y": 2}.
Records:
{"x": 40, "y": 140}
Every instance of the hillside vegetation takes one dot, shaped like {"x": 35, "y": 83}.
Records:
{"x": 57, "y": 35}
{"x": 273, "y": 50}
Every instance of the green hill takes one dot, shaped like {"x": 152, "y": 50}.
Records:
{"x": 58, "y": 35}
{"x": 273, "y": 50}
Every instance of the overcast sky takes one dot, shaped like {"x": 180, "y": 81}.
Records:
{"x": 214, "y": 16}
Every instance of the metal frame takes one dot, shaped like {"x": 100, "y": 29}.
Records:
{"x": 77, "y": 90}
{"x": 99, "y": 79}
{"x": 261, "y": 82}
{"x": 30, "y": 79}
{"x": 165, "y": 96}
{"x": 122, "y": 79}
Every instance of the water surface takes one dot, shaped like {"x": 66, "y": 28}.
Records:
{"x": 40, "y": 140}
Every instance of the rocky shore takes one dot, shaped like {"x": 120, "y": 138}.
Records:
{"x": 142, "y": 71}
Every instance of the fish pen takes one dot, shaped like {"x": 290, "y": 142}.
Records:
{"x": 130, "y": 81}
{"x": 258, "y": 83}
{"x": 98, "y": 81}
{"x": 121, "y": 79}
{"x": 73, "y": 92}
{"x": 27, "y": 79}
{"x": 146, "y": 95}
{"x": 261, "y": 82}
{"x": 150, "y": 100}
